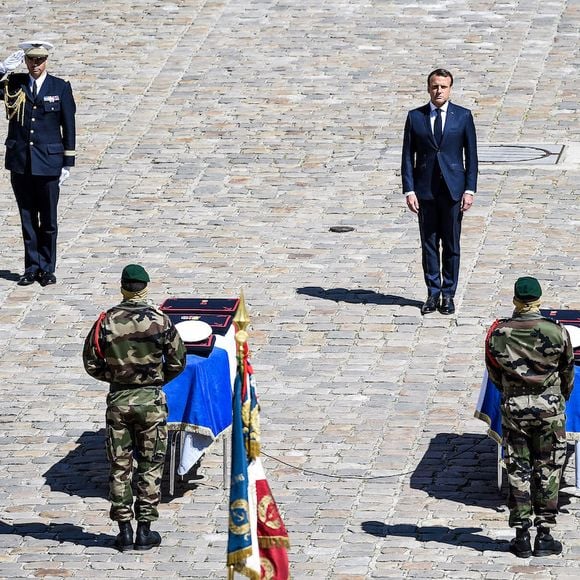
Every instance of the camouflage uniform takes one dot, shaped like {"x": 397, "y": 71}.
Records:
{"x": 530, "y": 360}
{"x": 137, "y": 350}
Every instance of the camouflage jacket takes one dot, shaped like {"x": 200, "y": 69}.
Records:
{"x": 134, "y": 344}
{"x": 530, "y": 355}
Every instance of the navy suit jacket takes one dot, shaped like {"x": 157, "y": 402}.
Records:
{"x": 47, "y": 130}
{"x": 457, "y": 154}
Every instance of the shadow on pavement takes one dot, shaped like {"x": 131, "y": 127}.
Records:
{"x": 357, "y": 296}
{"x": 456, "y": 537}
{"x": 85, "y": 470}
{"x": 8, "y": 275}
{"x": 463, "y": 468}
{"x": 57, "y": 532}
{"x": 460, "y": 468}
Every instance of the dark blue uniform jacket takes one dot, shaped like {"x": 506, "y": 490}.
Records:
{"x": 47, "y": 132}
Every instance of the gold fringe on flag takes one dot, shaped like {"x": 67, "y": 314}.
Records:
{"x": 273, "y": 542}
{"x": 239, "y": 556}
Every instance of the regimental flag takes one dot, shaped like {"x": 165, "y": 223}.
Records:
{"x": 250, "y": 409}
{"x": 272, "y": 535}
{"x": 239, "y": 535}
{"x": 264, "y": 554}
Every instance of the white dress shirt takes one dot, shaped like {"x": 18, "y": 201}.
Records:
{"x": 39, "y": 82}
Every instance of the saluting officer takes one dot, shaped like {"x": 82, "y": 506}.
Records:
{"x": 40, "y": 150}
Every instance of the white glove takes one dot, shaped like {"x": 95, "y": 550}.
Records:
{"x": 64, "y": 175}
{"x": 12, "y": 62}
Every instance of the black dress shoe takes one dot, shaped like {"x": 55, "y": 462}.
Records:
{"x": 27, "y": 279}
{"x": 46, "y": 278}
{"x": 447, "y": 305}
{"x": 430, "y": 305}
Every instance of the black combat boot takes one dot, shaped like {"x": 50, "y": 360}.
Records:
{"x": 124, "y": 539}
{"x": 520, "y": 545}
{"x": 146, "y": 538}
{"x": 545, "y": 545}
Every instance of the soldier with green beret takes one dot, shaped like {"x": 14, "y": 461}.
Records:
{"x": 530, "y": 360}
{"x": 136, "y": 349}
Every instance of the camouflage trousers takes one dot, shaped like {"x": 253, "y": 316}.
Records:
{"x": 534, "y": 453}
{"x": 136, "y": 430}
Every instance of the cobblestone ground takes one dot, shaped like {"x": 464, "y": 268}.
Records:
{"x": 218, "y": 141}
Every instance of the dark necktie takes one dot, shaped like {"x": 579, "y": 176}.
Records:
{"x": 34, "y": 90}
{"x": 438, "y": 127}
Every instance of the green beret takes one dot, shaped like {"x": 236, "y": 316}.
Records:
{"x": 134, "y": 273}
{"x": 527, "y": 289}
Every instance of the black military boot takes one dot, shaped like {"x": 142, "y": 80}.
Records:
{"x": 146, "y": 538}
{"x": 520, "y": 545}
{"x": 545, "y": 545}
{"x": 124, "y": 539}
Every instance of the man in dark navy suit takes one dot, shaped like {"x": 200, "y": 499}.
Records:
{"x": 40, "y": 150}
{"x": 439, "y": 173}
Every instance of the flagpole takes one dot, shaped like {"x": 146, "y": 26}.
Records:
{"x": 242, "y": 320}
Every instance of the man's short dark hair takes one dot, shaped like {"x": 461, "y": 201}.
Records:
{"x": 133, "y": 286}
{"x": 440, "y": 72}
